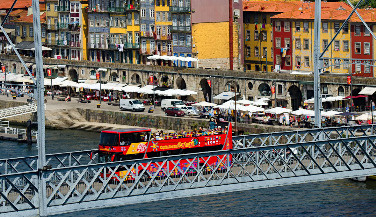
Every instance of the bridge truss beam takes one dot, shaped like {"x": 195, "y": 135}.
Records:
{"x": 99, "y": 185}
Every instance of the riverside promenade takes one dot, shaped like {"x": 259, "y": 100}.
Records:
{"x": 86, "y": 116}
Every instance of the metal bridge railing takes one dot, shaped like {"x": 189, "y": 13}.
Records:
{"x": 118, "y": 183}
{"x": 88, "y": 157}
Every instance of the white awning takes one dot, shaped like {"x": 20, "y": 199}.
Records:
{"x": 61, "y": 66}
{"x": 368, "y": 91}
{"x": 102, "y": 69}
{"x": 225, "y": 95}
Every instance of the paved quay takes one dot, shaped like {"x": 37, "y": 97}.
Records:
{"x": 66, "y": 115}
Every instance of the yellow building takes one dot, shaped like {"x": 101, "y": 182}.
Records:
{"x": 132, "y": 45}
{"x": 24, "y": 26}
{"x": 214, "y": 53}
{"x": 162, "y": 30}
{"x": 52, "y": 24}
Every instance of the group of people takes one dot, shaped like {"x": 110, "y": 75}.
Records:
{"x": 160, "y": 135}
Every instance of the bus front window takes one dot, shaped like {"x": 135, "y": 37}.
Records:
{"x": 128, "y": 138}
{"x": 109, "y": 139}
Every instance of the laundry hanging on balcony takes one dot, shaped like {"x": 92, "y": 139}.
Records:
{"x": 120, "y": 47}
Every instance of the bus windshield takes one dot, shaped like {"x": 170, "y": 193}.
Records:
{"x": 128, "y": 138}
{"x": 109, "y": 139}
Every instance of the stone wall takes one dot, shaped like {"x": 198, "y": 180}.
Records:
{"x": 167, "y": 123}
{"x": 17, "y": 120}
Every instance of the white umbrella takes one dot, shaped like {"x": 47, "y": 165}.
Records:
{"x": 329, "y": 113}
{"x": 244, "y": 101}
{"x": 264, "y": 99}
{"x": 259, "y": 103}
{"x": 204, "y": 104}
{"x": 278, "y": 110}
{"x": 130, "y": 89}
{"x": 304, "y": 112}
{"x": 364, "y": 117}
{"x": 154, "y": 57}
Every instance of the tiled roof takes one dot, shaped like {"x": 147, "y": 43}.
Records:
{"x": 269, "y": 6}
{"x": 24, "y": 18}
{"x": 329, "y": 11}
{"x": 7, "y": 4}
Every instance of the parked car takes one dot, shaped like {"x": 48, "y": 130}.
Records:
{"x": 188, "y": 110}
{"x": 131, "y": 104}
{"x": 174, "y": 111}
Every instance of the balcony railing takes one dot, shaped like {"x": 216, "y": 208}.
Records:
{"x": 133, "y": 7}
{"x": 181, "y": 28}
{"x": 74, "y": 27}
{"x": 147, "y": 34}
{"x": 63, "y": 8}
{"x": 62, "y": 42}
{"x": 98, "y": 46}
{"x": 52, "y": 27}
{"x": 116, "y": 9}
{"x": 132, "y": 45}
{"x": 62, "y": 26}
{"x": 165, "y": 37}
{"x": 52, "y": 42}
{"x": 75, "y": 44}
{"x": 180, "y": 9}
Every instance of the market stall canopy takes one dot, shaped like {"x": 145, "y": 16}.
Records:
{"x": 259, "y": 103}
{"x": 130, "y": 89}
{"x": 278, "y": 110}
{"x": 148, "y": 89}
{"x": 68, "y": 83}
{"x": 55, "y": 81}
{"x": 205, "y": 104}
{"x": 364, "y": 117}
{"x": 244, "y": 101}
{"x": 225, "y": 95}
{"x": 329, "y": 113}
{"x": 368, "y": 91}
{"x": 43, "y": 48}
{"x": 175, "y": 92}
{"x": 327, "y": 99}
{"x": 303, "y": 112}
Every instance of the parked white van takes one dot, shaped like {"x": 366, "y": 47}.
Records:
{"x": 171, "y": 103}
{"x": 131, "y": 104}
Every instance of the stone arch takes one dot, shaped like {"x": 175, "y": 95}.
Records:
{"x": 135, "y": 79}
{"x": 264, "y": 89}
{"x": 358, "y": 102}
{"x": 341, "y": 91}
{"x": 250, "y": 85}
{"x": 180, "y": 83}
{"x": 164, "y": 81}
{"x": 230, "y": 86}
{"x": 114, "y": 76}
{"x": 73, "y": 75}
{"x": 296, "y": 97}
{"x": 206, "y": 89}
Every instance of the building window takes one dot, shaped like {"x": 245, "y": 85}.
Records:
{"x": 287, "y": 42}
{"x": 345, "y": 28}
{"x": 48, "y": 6}
{"x": 278, "y": 59}
{"x": 248, "y": 51}
{"x": 298, "y": 44}
{"x": 357, "y": 30}
{"x": 336, "y": 45}
{"x": 287, "y": 26}
{"x": 367, "y": 48}
{"x": 298, "y": 61}
{"x": 305, "y": 26}
{"x": 256, "y": 35}
{"x": 306, "y": 44}
{"x": 288, "y": 60}
{"x": 366, "y": 32}
{"x": 367, "y": 67}
{"x": 358, "y": 47}
{"x": 279, "y": 89}
{"x": 324, "y": 27}
{"x": 324, "y": 89}
{"x": 248, "y": 35}
{"x": 306, "y": 61}
{"x": 31, "y": 32}
{"x": 326, "y": 63}
{"x": 278, "y": 42}
{"x": 143, "y": 12}
{"x": 264, "y": 36}
{"x": 345, "y": 45}
{"x": 358, "y": 66}
{"x": 264, "y": 52}
{"x": 345, "y": 63}
{"x": 297, "y": 26}
{"x": 336, "y": 27}
{"x": 337, "y": 63}
{"x": 277, "y": 26}
{"x": 324, "y": 43}
{"x": 151, "y": 13}
{"x": 256, "y": 51}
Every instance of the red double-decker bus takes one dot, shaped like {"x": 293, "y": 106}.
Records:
{"x": 138, "y": 143}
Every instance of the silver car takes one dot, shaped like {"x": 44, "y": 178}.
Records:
{"x": 189, "y": 110}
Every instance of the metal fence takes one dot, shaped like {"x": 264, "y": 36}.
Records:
{"x": 79, "y": 187}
